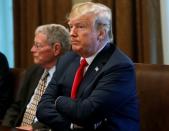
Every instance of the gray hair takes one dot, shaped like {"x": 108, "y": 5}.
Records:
{"x": 102, "y": 13}
{"x": 55, "y": 33}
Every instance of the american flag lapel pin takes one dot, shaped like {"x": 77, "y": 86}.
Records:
{"x": 96, "y": 69}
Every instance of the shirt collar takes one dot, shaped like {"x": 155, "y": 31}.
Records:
{"x": 91, "y": 58}
{"x": 51, "y": 70}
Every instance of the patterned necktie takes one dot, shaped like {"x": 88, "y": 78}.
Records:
{"x": 30, "y": 112}
{"x": 78, "y": 78}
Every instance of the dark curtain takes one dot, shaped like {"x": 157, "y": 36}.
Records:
{"x": 28, "y": 14}
{"x": 137, "y": 28}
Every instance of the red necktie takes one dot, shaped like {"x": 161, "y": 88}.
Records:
{"x": 78, "y": 78}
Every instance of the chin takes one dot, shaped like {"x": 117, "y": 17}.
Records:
{"x": 36, "y": 61}
{"x": 75, "y": 49}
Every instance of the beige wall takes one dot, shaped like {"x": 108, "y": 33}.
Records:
{"x": 165, "y": 29}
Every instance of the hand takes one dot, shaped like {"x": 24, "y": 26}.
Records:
{"x": 24, "y": 128}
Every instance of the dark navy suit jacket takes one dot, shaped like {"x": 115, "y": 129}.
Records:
{"x": 106, "y": 97}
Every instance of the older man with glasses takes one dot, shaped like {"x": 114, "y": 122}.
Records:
{"x": 50, "y": 42}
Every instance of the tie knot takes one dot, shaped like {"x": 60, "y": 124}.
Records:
{"x": 45, "y": 75}
{"x": 83, "y": 62}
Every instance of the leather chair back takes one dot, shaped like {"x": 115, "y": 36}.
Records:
{"x": 13, "y": 81}
{"x": 153, "y": 92}
{"x": 15, "y": 77}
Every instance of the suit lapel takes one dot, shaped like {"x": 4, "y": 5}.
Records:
{"x": 95, "y": 67}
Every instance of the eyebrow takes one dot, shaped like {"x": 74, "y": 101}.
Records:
{"x": 79, "y": 21}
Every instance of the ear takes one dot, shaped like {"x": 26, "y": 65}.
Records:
{"x": 101, "y": 34}
{"x": 57, "y": 49}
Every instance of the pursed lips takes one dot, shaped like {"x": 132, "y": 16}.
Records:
{"x": 74, "y": 41}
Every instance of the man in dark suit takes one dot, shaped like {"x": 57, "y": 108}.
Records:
{"x": 105, "y": 99}
{"x": 5, "y": 88}
{"x": 50, "y": 42}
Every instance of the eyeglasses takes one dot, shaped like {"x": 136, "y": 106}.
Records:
{"x": 38, "y": 45}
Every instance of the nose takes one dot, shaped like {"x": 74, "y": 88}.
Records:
{"x": 73, "y": 31}
{"x": 33, "y": 49}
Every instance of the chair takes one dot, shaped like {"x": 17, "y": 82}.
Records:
{"x": 153, "y": 93}
{"x": 13, "y": 79}
{"x": 15, "y": 76}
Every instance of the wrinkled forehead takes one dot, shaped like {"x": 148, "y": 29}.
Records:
{"x": 87, "y": 18}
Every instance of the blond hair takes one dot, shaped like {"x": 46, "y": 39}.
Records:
{"x": 102, "y": 13}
